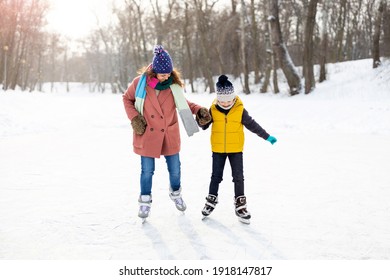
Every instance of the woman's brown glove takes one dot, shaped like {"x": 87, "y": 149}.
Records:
{"x": 203, "y": 116}
{"x": 139, "y": 124}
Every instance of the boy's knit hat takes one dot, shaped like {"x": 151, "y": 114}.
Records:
{"x": 162, "y": 62}
{"x": 225, "y": 89}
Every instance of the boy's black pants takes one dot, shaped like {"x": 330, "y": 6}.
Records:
{"x": 236, "y": 163}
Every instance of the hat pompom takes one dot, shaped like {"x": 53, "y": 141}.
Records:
{"x": 222, "y": 79}
{"x": 158, "y": 49}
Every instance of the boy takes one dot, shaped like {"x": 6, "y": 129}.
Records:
{"x": 228, "y": 117}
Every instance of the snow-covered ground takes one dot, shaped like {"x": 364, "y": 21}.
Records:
{"x": 69, "y": 180}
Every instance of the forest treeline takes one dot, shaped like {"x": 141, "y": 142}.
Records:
{"x": 204, "y": 37}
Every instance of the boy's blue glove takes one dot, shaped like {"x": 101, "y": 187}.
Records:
{"x": 271, "y": 139}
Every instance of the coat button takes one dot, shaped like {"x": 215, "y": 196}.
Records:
{"x": 161, "y": 117}
{"x": 151, "y": 129}
{"x": 152, "y": 116}
{"x": 162, "y": 130}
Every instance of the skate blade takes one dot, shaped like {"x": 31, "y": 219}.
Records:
{"x": 181, "y": 209}
{"x": 205, "y": 217}
{"x": 244, "y": 221}
{"x": 143, "y": 219}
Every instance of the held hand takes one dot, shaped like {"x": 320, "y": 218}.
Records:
{"x": 139, "y": 124}
{"x": 203, "y": 116}
{"x": 271, "y": 139}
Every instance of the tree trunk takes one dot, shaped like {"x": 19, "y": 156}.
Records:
{"x": 285, "y": 61}
{"x": 188, "y": 48}
{"x": 235, "y": 41}
{"x": 243, "y": 51}
{"x": 255, "y": 39}
{"x": 66, "y": 74}
{"x": 339, "y": 40}
{"x": 273, "y": 64}
{"x": 141, "y": 30}
{"x": 108, "y": 75}
{"x": 206, "y": 69}
{"x": 308, "y": 47}
{"x": 386, "y": 29}
{"x": 268, "y": 63}
{"x": 377, "y": 32}
{"x": 324, "y": 41}
{"x": 275, "y": 77}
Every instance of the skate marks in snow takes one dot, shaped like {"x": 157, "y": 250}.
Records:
{"x": 157, "y": 241}
{"x": 251, "y": 246}
{"x": 270, "y": 252}
{"x": 137, "y": 240}
{"x": 193, "y": 236}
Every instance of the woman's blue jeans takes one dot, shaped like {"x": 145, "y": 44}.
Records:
{"x": 147, "y": 171}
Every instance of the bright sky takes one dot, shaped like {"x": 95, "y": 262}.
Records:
{"x": 75, "y": 18}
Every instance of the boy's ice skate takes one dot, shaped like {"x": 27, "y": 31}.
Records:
{"x": 211, "y": 202}
{"x": 241, "y": 210}
{"x": 178, "y": 200}
{"x": 145, "y": 202}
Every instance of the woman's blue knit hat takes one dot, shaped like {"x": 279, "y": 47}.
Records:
{"x": 225, "y": 89}
{"x": 162, "y": 61}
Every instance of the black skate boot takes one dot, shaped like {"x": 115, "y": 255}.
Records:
{"x": 241, "y": 211}
{"x": 211, "y": 202}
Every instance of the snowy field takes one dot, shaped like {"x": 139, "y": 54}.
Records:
{"x": 69, "y": 180}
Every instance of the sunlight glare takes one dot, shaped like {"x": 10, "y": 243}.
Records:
{"x": 76, "y": 18}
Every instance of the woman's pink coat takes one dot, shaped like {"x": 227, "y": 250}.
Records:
{"x": 162, "y": 134}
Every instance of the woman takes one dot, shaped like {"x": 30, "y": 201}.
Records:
{"x": 151, "y": 103}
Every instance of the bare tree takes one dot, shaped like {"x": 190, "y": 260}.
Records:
{"x": 141, "y": 31}
{"x": 66, "y": 69}
{"x": 161, "y": 20}
{"x": 308, "y": 71}
{"x": 339, "y": 40}
{"x": 188, "y": 48}
{"x": 202, "y": 25}
{"x": 243, "y": 49}
{"x": 269, "y": 66}
{"x": 234, "y": 39}
{"x": 324, "y": 41}
{"x": 54, "y": 52}
{"x": 227, "y": 41}
{"x": 21, "y": 23}
{"x": 270, "y": 56}
{"x": 109, "y": 48}
{"x": 255, "y": 43}
{"x": 280, "y": 48}
{"x": 133, "y": 39}
{"x": 377, "y": 32}
{"x": 386, "y": 29}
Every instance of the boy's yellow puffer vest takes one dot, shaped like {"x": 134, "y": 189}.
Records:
{"x": 227, "y": 131}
